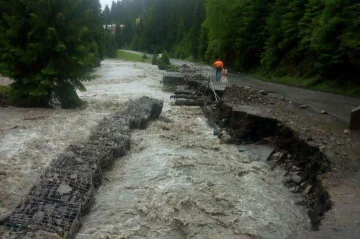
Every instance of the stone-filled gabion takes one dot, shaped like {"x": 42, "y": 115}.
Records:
{"x": 117, "y": 145}
{"x": 68, "y": 187}
{"x": 140, "y": 111}
{"x": 65, "y": 191}
{"x": 76, "y": 158}
{"x": 114, "y": 133}
{"x": 105, "y": 155}
{"x": 37, "y": 214}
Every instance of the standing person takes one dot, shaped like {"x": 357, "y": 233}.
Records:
{"x": 219, "y": 65}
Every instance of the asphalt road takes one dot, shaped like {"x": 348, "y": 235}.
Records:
{"x": 338, "y": 106}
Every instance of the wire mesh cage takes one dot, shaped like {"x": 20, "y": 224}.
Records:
{"x": 78, "y": 159}
{"x": 65, "y": 187}
{"x": 35, "y": 214}
{"x": 115, "y": 124}
{"x": 141, "y": 111}
{"x": 110, "y": 140}
{"x": 119, "y": 143}
{"x": 105, "y": 155}
{"x": 65, "y": 190}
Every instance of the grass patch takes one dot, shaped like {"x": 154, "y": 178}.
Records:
{"x": 5, "y": 90}
{"x": 128, "y": 56}
{"x": 311, "y": 84}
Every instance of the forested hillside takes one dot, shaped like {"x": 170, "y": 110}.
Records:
{"x": 303, "y": 38}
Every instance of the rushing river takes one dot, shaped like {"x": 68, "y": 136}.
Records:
{"x": 177, "y": 181}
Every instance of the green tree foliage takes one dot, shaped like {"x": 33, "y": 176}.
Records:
{"x": 126, "y": 13}
{"x": 154, "y": 59}
{"x": 250, "y": 33}
{"x": 48, "y": 48}
{"x": 219, "y": 27}
{"x": 282, "y": 52}
{"x": 157, "y": 25}
{"x": 119, "y": 37}
{"x": 335, "y": 38}
{"x": 111, "y": 45}
{"x": 106, "y": 15}
{"x": 302, "y": 38}
{"x": 195, "y": 32}
{"x": 162, "y": 61}
{"x": 165, "y": 58}
{"x": 318, "y": 38}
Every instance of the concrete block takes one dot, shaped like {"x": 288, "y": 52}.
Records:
{"x": 355, "y": 119}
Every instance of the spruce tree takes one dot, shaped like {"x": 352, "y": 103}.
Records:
{"x": 107, "y": 15}
{"x": 49, "y": 48}
{"x": 282, "y": 53}
{"x": 335, "y": 38}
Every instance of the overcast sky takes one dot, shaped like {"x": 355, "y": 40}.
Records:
{"x": 104, "y": 2}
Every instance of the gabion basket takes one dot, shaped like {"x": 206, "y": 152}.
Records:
{"x": 65, "y": 187}
{"x": 89, "y": 165}
{"x": 117, "y": 143}
{"x": 37, "y": 214}
{"x": 105, "y": 155}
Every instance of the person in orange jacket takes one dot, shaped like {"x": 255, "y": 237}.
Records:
{"x": 219, "y": 65}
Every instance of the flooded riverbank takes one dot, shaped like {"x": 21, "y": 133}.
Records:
{"x": 179, "y": 182}
{"x": 176, "y": 182}
{"x": 31, "y": 138}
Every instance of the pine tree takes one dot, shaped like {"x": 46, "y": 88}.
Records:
{"x": 107, "y": 15}
{"x": 198, "y": 19}
{"x": 250, "y": 33}
{"x": 282, "y": 54}
{"x": 335, "y": 38}
{"x": 49, "y": 48}
{"x": 110, "y": 44}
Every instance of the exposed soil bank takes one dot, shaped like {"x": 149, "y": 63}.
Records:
{"x": 302, "y": 162}
{"x": 243, "y": 116}
{"x": 321, "y": 162}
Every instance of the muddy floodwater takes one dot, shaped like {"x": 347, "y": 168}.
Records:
{"x": 177, "y": 181}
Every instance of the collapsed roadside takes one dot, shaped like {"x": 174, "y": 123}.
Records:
{"x": 319, "y": 157}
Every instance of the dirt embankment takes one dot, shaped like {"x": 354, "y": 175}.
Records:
{"x": 318, "y": 155}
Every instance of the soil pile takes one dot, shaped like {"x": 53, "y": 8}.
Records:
{"x": 245, "y": 95}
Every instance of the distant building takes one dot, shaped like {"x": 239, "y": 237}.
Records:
{"x": 112, "y": 27}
